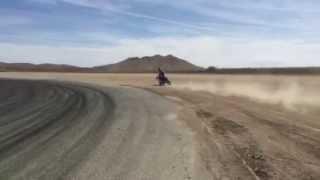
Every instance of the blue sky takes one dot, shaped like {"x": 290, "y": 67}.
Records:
{"x": 230, "y": 33}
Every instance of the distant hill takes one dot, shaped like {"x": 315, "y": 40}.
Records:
{"x": 28, "y": 67}
{"x": 150, "y": 64}
{"x": 168, "y": 63}
{"x": 274, "y": 71}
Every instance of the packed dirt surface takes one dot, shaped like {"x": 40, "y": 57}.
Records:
{"x": 242, "y": 139}
{"x": 243, "y": 127}
{"x": 54, "y": 130}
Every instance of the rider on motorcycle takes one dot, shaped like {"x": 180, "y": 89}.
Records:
{"x": 162, "y": 78}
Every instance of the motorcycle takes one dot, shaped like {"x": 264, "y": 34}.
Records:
{"x": 163, "y": 81}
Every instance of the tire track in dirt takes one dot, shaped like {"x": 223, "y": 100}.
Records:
{"x": 47, "y": 128}
{"x": 58, "y": 130}
{"x": 242, "y": 139}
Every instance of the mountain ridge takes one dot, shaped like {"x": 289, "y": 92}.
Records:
{"x": 146, "y": 64}
{"x": 150, "y": 64}
{"x": 44, "y": 67}
{"x": 167, "y": 63}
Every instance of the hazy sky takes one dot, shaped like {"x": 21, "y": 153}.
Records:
{"x": 206, "y": 32}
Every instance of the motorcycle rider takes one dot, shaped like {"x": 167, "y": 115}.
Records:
{"x": 162, "y": 78}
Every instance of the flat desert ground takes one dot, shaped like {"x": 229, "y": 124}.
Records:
{"x": 123, "y": 126}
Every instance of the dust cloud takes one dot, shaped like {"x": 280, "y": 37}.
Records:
{"x": 292, "y": 94}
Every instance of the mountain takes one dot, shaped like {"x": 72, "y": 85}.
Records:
{"x": 150, "y": 64}
{"x": 146, "y": 64}
{"x": 28, "y": 67}
{"x": 167, "y": 63}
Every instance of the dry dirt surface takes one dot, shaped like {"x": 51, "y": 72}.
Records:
{"x": 55, "y": 130}
{"x": 243, "y": 127}
{"x": 242, "y": 139}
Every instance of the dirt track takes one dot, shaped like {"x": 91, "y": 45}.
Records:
{"x": 233, "y": 138}
{"x": 53, "y": 130}
{"x": 239, "y": 138}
